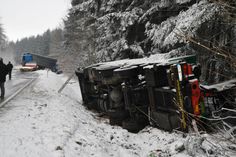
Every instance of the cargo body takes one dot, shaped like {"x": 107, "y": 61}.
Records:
{"x": 41, "y": 61}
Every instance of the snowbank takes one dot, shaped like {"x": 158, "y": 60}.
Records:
{"x": 42, "y": 123}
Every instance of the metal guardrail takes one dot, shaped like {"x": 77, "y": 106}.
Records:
{"x": 4, "y": 102}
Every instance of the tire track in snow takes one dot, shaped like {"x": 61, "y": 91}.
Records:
{"x": 72, "y": 133}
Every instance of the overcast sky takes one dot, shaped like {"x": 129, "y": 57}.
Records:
{"x": 23, "y": 18}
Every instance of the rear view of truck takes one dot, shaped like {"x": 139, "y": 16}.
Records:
{"x": 27, "y": 63}
{"x": 32, "y": 62}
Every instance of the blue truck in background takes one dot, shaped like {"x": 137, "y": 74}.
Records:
{"x": 26, "y": 58}
{"x": 30, "y": 59}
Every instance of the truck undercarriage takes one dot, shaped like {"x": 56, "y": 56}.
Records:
{"x": 168, "y": 95}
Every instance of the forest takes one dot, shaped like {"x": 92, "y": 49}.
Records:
{"x": 105, "y": 30}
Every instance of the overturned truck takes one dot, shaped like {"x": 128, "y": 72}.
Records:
{"x": 136, "y": 92}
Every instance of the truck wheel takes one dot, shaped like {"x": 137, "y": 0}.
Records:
{"x": 142, "y": 120}
{"x": 131, "y": 126}
{"x": 121, "y": 114}
{"x": 115, "y": 121}
{"x": 103, "y": 105}
{"x": 91, "y": 105}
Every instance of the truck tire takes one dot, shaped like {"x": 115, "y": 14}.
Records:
{"x": 118, "y": 114}
{"x": 116, "y": 117}
{"x": 115, "y": 121}
{"x": 131, "y": 126}
{"x": 103, "y": 105}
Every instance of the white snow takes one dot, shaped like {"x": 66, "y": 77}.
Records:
{"x": 156, "y": 58}
{"x": 40, "y": 122}
{"x": 85, "y": 6}
{"x": 169, "y": 32}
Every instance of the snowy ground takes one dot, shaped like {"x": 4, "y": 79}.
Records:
{"x": 40, "y": 122}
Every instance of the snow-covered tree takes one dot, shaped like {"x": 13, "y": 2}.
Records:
{"x": 103, "y": 30}
{"x": 50, "y": 43}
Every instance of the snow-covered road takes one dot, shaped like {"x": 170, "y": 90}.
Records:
{"x": 18, "y": 82}
{"x": 40, "y": 122}
{"x": 36, "y": 121}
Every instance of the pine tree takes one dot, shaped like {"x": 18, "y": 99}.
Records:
{"x": 103, "y": 30}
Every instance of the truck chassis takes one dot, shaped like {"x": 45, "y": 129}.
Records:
{"x": 135, "y": 93}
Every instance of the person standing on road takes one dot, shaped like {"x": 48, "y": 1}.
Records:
{"x": 9, "y": 67}
{"x": 3, "y": 73}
